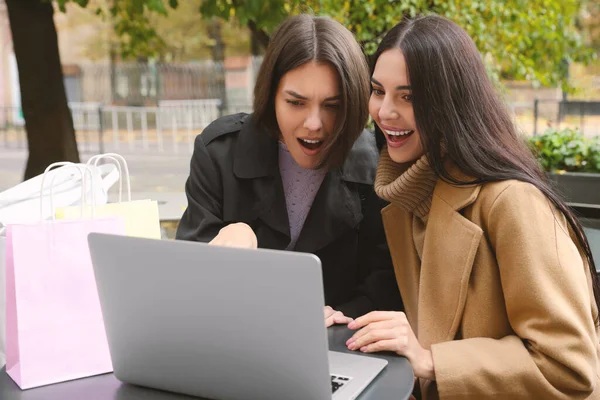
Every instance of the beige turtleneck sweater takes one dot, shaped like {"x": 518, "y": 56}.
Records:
{"x": 410, "y": 187}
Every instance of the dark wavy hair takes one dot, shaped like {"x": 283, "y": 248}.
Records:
{"x": 457, "y": 108}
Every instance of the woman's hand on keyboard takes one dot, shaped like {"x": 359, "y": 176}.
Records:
{"x": 391, "y": 331}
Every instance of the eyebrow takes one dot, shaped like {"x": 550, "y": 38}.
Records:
{"x": 300, "y": 97}
{"x": 399, "y": 87}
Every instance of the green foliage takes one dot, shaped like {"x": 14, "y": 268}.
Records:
{"x": 168, "y": 30}
{"x": 516, "y": 38}
{"x": 185, "y": 37}
{"x": 594, "y": 155}
{"x": 62, "y": 4}
{"x": 131, "y": 23}
{"x": 369, "y": 20}
{"x": 266, "y": 14}
{"x": 566, "y": 150}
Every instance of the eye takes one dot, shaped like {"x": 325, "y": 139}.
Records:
{"x": 295, "y": 103}
{"x": 407, "y": 97}
{"x": 333, "y": 106}
{"x": 378, "y": 92}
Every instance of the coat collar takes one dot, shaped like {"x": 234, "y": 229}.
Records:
{"x": 456, "y": 197}
{"x": 335, "y": 208}
{"x": 255, "y": 152}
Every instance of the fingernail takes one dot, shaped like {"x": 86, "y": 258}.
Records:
{"x": 351, "y": 325}
{"x": 363, "y": 349}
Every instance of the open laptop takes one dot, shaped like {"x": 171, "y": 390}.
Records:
{"x": 221, "y": 323}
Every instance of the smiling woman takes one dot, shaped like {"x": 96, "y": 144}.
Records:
{"x": 498, "y": 280}
{"x": 298, "y": 173}
{"x": 393, "y": 113}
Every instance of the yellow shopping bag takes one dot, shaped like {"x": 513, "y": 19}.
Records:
{"x": 141, "y": 216}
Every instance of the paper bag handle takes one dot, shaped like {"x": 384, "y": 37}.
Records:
{"x": 121, "y": 161}
{"x": 66, "y": 164}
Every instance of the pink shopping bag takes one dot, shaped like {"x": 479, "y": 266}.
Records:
{"x": 54, "y": 325}
{"x": 55, "y": 331}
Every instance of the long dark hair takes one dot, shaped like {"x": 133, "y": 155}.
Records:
{"x": 457, "y": 107}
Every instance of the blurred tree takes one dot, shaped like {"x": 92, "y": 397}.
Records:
{"x": 180, "y": 35}
{"x": 260, "y": 16}
{"x": 516, "y": 39}
{"x": 591, "y": 23}
{"x": 49, "y": 125}
{"x": 48, "y": 121}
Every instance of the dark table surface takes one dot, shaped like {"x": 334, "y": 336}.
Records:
{"x": 394, "y": 382}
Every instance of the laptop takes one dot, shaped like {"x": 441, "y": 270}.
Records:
{"x": 221, "y": 323}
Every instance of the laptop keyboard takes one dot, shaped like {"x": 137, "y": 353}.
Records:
{"x": 338, "y": 381}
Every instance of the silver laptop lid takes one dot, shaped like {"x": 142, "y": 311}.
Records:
{"x": 212, "y": 321}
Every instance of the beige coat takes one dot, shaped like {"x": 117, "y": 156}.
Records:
{"x": 501, "y": 297}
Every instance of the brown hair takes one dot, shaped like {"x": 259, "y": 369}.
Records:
{"x": 301, "y": 39}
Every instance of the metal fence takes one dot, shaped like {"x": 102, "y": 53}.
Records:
{"x": 581, "y": 115}
{"x": 535, "y": 117}
{"x": 172, "y": 125}
{"x": 143, "y": 84}
{"x": 146, "y": 84}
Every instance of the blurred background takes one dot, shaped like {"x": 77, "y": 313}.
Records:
{"x": 143, "y": 77}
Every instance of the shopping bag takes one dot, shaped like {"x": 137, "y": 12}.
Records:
{"x": 20, "y": 203}
{"x": 141, "y": 216}
{"x": 2, "y": 301}
{"x": 54, "y": 325}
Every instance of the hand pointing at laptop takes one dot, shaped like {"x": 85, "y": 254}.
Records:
{"x": 242, "y": 236}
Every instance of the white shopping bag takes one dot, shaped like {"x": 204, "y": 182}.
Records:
{"x": 21, "y": 203}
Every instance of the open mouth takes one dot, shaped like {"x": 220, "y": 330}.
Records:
{"x": 311, "y": 144}
{"x": 398, "y": 136}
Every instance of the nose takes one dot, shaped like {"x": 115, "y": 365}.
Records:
{"x": 387, "y": 111}
{"x": 313, "y": 121}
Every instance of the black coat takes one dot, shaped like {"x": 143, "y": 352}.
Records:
{"x": 234, "y": 177}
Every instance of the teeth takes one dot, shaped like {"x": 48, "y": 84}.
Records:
{"x": 311, "y": 141}
{"x": 398, "y": 133}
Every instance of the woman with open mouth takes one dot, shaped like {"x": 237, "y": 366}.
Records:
{"x": 297, "y": 174}
{"x": 498, "y": 280}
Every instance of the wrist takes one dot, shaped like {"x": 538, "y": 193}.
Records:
{"x": 426, "y": 368}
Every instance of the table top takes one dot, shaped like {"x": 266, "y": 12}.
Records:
{"x": 394, "y": 382}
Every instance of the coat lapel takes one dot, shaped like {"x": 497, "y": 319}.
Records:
{"x": 336, "y": 208}
{"x": 269, "y": 205}
{"x": 398, "y": 227}
{"x": 445, "y": 270}
{"x": 256, "y": 164}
